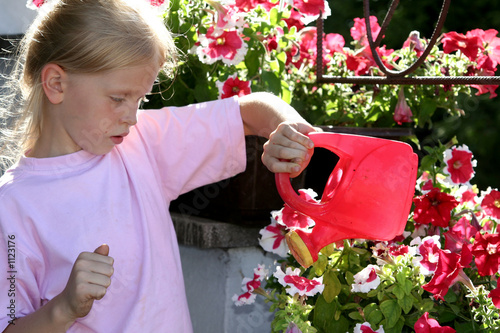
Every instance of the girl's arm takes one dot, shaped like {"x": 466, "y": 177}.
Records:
{"x": 288, "y": 149}
{"x": 88, "y": 281}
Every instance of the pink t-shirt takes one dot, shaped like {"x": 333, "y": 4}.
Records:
{"x": 52, "y": 209}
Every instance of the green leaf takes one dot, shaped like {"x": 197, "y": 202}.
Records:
{"x": 252, "y": 61}
{"x": 373, "y": 314}
{"x": 397, "y": 328}
{"x": 374, "y": 318}
{"x": 275, "y": 65}
{"x": 274, "y": 16}
{"x": 398, "y": 291}
{"x": 407, "y": 286}
{"x": 406, "y": 303}
{"x": 282, "y": 60}
{"x": 271, "y": 82}
{"x": 286, "y": 94}
{"x": 324, "y": 320}
{"x": 319, "y": 266}
{"x": 392, "y": 311}
{"x": 356, "y": 316}
{"x": 332, "y": 286}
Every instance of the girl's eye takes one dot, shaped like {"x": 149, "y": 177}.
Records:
{"x": 117, "y": 99}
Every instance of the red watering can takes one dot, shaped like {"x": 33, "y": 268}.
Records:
{"x": 368, "y": 194}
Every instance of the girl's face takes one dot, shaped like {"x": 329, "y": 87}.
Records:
{"x": 98, "y": 110}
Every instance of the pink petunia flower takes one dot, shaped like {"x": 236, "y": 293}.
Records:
{"x": 459, "y": 164}
{"x": 334, "y": 43}
{"x": 459, "y": 234}
{"x": 273, "y": 239}
{"x": 297, "y": 284}
{"x": 293, "y": 328}
{"x": 449, "y": 271}
{"x": 226, "y": 46}
{"x": 307, "y": 47}
{"x": 490, "y": 43}
{"x": 490, "y": 203}
{"x": 310, "y": 9}
{"x": 486, "y": 250}
{"x": 428, "y": 250}
{"x": 428, "y": 325}
{"x": 228, "y": 17}
{"x": 233, "y": 86}
{"x": 402, "y": 112}
{"x": 35, "y": 4}
{"x": 157, "y": 3}
{"x": 468, "y": 197}
{"x": 359, "y": 31}
{"x": 415, "y": 43}
{"x": 366, "y": 280}
{"x": 434, "y": 207}
{"x": 367, "y": 328}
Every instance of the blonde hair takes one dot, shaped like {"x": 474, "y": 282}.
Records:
{"x": 81, "y": 36}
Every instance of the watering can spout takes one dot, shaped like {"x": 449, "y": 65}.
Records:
{"x": 368, "y": 194}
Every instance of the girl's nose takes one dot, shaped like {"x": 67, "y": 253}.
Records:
{"x": 130, "y": 116}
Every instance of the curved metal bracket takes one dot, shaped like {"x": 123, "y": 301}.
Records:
{"x": 396, "y": 77}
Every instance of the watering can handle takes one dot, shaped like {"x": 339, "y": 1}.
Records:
{"x": 289, "y": 195}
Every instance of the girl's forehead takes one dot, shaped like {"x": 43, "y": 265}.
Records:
{"x": 128, "y": 80}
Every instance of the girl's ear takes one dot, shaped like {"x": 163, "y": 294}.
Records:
{"x": 53, "y": 79}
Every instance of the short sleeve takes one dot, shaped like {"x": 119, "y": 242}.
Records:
{"x": 194, "y": 145}
{"x": 20, "y": 292}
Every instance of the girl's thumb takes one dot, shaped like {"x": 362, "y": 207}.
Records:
{"x": 102, "y": 250}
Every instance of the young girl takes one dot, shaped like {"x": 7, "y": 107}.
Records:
{"x": 87, "y": 242}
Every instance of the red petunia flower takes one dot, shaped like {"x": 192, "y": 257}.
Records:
{"x": 297, "y": 284}
{"x": 295, "y": 20}
{"x": 402, "y": 112}
{"x": 233, "y": 86}
{"x": 486, "y": 249}
{"x": 398, "y": 250}
{"x": 449, "y": 271}
{"x": 294, "y": 220}
{"x": 495, "y": 296}
{"x": 491, "y": 203}
{"x": 309, "y": 7}
{"x": 469, "y": 46}
{"x": 358, "y": 64}
{"x": 459, "y": 164}
{"x": 249, "y": 286}
{"x": 367, "y": 328}
{"x": 273, "y": 239}
{"x": 428, "y": 325}
{"x": 434, "y": 207}
{"x": 226, "y": 46}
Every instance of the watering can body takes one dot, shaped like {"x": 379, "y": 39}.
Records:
{"x": 368, "y": 194}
